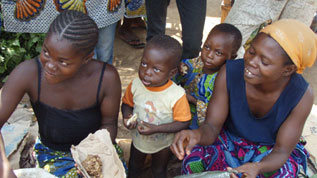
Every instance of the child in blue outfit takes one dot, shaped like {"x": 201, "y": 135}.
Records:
{"x": 198, "y": 75}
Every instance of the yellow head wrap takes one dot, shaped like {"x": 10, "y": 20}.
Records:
{"x": 297, "y": 39}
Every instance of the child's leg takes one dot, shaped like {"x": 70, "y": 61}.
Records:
{"x": 136, "y": 162}
{"x": 159, "y": 163}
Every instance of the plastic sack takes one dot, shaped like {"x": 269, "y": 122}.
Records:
{"x": 33, "y": 173}
{"x": 99, "y": 144}
{"x": 207, "y": 174}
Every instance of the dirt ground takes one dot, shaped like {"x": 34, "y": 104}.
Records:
{"x": 127, "y": 59}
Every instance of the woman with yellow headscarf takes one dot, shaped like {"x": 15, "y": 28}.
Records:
{"x": 259, "y": 108}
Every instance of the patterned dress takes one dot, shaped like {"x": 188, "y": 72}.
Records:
{"x": 35, "y": 16}
{"x": 198, "y": 85}
{"x": 232, "y": 151}
{"x": 135, "y": 8}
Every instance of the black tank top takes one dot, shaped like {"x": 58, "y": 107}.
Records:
{"x": 59, "y": 129}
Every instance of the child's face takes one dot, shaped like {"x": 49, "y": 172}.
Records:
{"x": 154, "y": 69}
{"x": 217, "y": 48}
{"x": 59, "y": 59}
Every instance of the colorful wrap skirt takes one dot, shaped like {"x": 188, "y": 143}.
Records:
{"x": 61, "y": 163}
{"x": 232, "y": 151}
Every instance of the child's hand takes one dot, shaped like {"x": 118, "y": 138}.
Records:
{"x": 130, "y": 124}
{"x": 145, "y": 128}
{"x": 191, "y": 99}
{"x": 183, "y": 68}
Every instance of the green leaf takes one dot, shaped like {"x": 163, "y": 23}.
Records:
{"x": 16, "y": 42}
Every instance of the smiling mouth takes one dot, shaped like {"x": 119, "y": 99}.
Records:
{"x": 248, "y": 73}
{"x": 49, "y": 73}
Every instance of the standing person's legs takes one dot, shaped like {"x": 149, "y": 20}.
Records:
{"x": 192, "y": 15}
{"x": 156, "y": 11}
{"x": 104, "y": 48}
{"x": 136, "y": 162}
{"x": 159, "y": 163}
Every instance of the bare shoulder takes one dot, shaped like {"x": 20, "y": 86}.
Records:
{"x": 26, "y": 66}
{"x": 111, "y": 73}
{"x": 25, "y": 72}
{"x": 222, "y": 75}
{"x": 303, "y": 108}
{"x": 110, "y": 79}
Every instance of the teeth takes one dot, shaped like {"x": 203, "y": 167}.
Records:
{"x": 248, "y": 72}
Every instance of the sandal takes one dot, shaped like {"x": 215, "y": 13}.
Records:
{"x": 130, "y": 38}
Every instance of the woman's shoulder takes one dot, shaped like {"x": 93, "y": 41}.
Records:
{"x": 109, "y": 73}
{"x": 26, "y": 69}
{"x": 235, "y": 67}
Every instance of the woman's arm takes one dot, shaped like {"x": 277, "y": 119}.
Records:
{"x": 111, "y": 101}
{"x": 287, "y": 137}
{"x": 216, "y": 115}
{"x": 19, "y": 82}
{"x": 5, "y": 168}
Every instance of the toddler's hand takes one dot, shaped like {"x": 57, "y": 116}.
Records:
{"x": 183, "y": 69}
{"x": 145, "y": 128}
{"x": 191, "y": 99}
{"x": 130, "y": 122}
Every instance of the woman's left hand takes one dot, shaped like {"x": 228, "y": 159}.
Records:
{"x": 249, "y": 170}
{"x": 145, "y": 128}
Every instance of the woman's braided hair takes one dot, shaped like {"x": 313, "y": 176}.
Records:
{"x": 76, "y": 27}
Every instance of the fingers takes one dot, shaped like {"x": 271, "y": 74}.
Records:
{"x": 190, "y": 145}
{"x": 78, "y": 171}
{"x": 180, "y": 141}
{"x": 130, "y": 125}
{"x": 232, "y": 172}
{"x": 174, "y": 147}
{"x": 142, "y": 129}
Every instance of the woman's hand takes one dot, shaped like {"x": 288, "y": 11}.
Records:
{"x": 184, "y": 141}
{"x": 130, "y": 125}
{"x": 249, "y": 170}
{"x": 145, "y": 128}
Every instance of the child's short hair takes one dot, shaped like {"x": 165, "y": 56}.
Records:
{"x": 76, "y": 27}
{"x": 231, "y": 30}
{"x": 169, "y": 44}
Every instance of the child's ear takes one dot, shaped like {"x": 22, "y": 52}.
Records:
{"x": 173, "y": 72}
{"x": 289, "y": 70}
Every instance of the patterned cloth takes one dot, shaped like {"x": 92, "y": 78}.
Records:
{"x": 199, "y": 85}
{"x": 19, "y": 16}
{"x": 232, "y": 151}
{"x": 247, "y": 15}
{"x": 135, "y": 8}
{"x": 61, "y": 163}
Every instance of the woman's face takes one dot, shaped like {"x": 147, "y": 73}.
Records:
{"x": 60, "y": 61}
{"x": 265, "y": 61}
